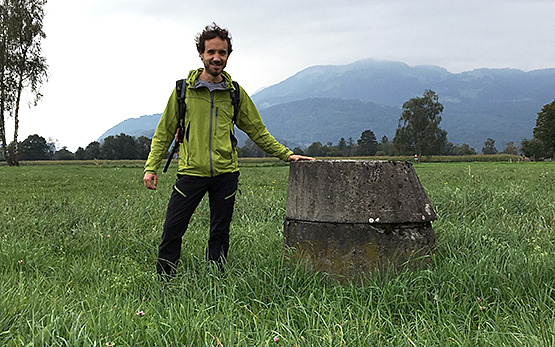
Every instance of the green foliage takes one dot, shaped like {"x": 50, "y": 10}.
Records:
{"x": 510, "y": 148}
{"x": 542, "y": 145}
{"x": 463, "y": 149}
{"x": 250, "y": 149}
{"x": 533, "y": 148}
{"x": 78, "y": 254}
{"x": 367, "y": 144}
{"x": 64, "y": 154}
{"x": 489, "y": 147}
{"x": 119, "y": 147}
{"x": 35, "y": 147}
{"x": 21, "y": 63}
{"x": 316, "y": 150}
{"x": 92, "y": 151}
{"x": 418, "y": 131}
{"x": 545, "y": 128}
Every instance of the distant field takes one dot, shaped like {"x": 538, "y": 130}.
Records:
{"x": 78, "y": 248}
{"x": 277, "y": 162}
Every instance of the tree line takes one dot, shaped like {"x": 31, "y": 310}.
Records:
{"x": 418, "y": 133}
{"x": 116, "y": 147}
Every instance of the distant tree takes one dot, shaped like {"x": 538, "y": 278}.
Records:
{"x": 533, "y": 149}
{"x": 351, "y": 146}
{"x": 92, "y": 151}
{"x": 449, "y": 149}
{"x": 332, "y": 151}
{"x": 121, "y": 146}
{"x": 418, "y": 131}
{"x": 128, "y": 147}
{"x": 367, "y": 144}
{"x": 143, "y": 147}
{"x": 80, "y": 154}
{"x": 315, "y": 150}
{"x": 545, "y": 128}
{"x": 342, "y": 147}
{"x": 510, "y": 148}
{"x": 109, "y": 148}
{"x": 251, "y": 149}
{"x": 489, "y": 147}
{"x": 35, "y": 147}
{"x": 463, "y": 149}
{"x": 385, "y": 147}
{"x": 64, "y": 154}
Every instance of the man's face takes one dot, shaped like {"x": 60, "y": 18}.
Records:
{"x": 215, "y": 56}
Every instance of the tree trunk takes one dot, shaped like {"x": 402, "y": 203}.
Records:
{"x": 14, "y": 156}
{"x": 3, "y": 134}
{"x": 2, "y": 99}
{"x": 2, "y": 121}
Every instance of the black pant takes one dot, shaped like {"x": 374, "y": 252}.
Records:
{"x": 187, "y": 194}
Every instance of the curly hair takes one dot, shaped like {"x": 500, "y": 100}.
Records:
{"x": 210, "y": 32}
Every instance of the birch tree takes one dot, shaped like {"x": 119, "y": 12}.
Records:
{"x": 21, "y": 63}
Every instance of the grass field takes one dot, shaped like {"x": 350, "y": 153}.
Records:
{"x": 78, "y": 248}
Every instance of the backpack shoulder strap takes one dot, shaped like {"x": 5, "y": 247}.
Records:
{"x": 180, "y": 88}
{"x": 235, "y": 98}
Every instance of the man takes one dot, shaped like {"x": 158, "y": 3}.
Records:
{"x": 207, "y": 156}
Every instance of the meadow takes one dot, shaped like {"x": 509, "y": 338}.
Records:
{"x": 78, "y": 247}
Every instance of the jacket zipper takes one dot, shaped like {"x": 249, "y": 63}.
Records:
{"x": 210, "y": 137}
{"x": 187, "y": 139}
{"x": 216, "y": 127}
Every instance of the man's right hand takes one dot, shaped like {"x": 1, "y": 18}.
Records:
{"x": 150, "y": 180}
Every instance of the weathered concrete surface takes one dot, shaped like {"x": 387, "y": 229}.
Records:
{"x": 356, "y": 191}
{"x": 352, "y": 251}
{"x": 352, "y": 217}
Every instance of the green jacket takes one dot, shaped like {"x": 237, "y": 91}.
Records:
{"x": 209, "y": 145}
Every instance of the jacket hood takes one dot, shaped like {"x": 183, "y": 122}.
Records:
{"x": 194, "y": 75}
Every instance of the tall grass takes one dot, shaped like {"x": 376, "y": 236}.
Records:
{"x": 78, "y": 247}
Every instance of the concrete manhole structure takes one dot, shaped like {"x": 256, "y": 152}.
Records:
{"x": 349, "y": 218}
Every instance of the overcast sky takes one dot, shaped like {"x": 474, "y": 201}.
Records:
{"x": 110, "y": 60}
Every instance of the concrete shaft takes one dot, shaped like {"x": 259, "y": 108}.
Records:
{"x": 356, "y": 191}
{"x": 351, "y": 217}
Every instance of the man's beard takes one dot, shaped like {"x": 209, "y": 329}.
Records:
{"x": 213, "y": 72}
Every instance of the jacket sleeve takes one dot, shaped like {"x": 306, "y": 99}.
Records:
{"x": 250, "y": 121}
{"x": 164, "y": 135}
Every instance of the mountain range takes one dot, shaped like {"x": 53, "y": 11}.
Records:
{"x": 326, "y": 103}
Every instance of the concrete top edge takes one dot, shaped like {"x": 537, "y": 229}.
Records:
{"x": 350, "y": 161}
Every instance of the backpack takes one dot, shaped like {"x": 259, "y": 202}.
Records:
{"x": 181, "y": 87}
